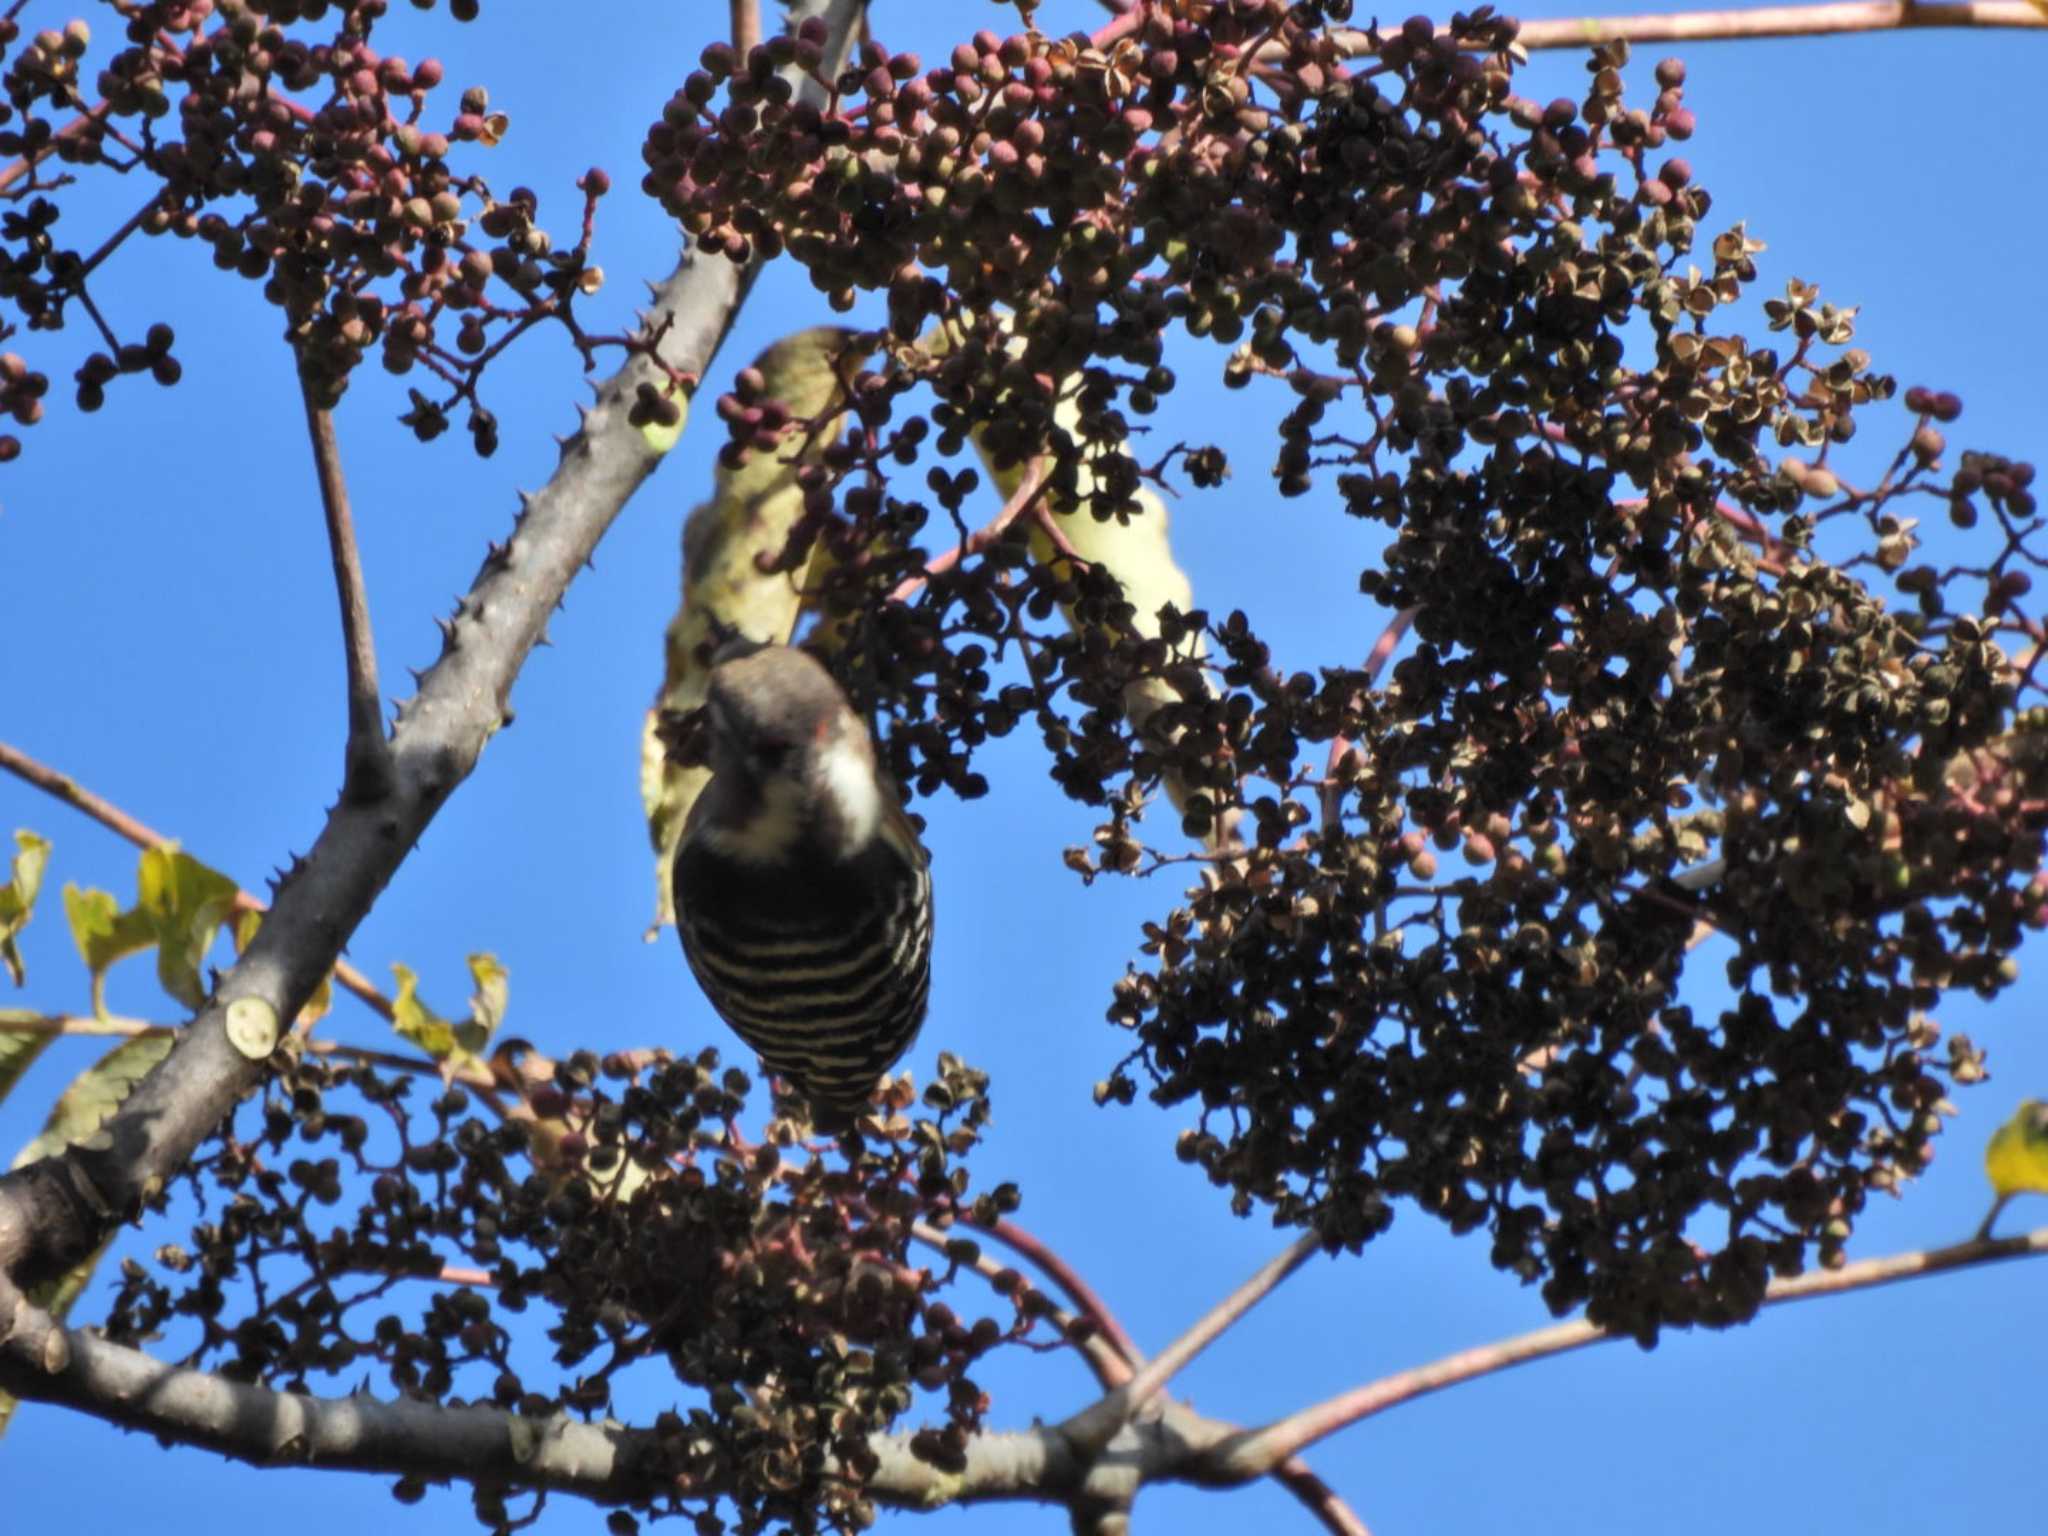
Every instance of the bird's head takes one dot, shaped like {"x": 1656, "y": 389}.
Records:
{"x": 789, "y": 758}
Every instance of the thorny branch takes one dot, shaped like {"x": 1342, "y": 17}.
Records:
{"x": 55, "y": 1212}
{"x": 263, "y": 1427}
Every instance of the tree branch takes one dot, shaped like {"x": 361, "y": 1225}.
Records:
{"x": 1093, "y": 1427}
{"x": 605, "y": 1463}
{"x": 609, "y": 1464}
{"x": 118, "y": 1027}
{"x": 366, "y": 773}
{"x": 361, "y": 1433}
{"x": 1321, "y": 1500}
{"x": 1113, "y": 1358}
{"x": 1779, "y": 21}
{"x": 54, "y": 1212}
{"x": 1728, "y": 25}
{"x": 1244, "y": 1457}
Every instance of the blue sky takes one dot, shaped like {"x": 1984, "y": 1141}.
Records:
{"x": 171, "y": 640}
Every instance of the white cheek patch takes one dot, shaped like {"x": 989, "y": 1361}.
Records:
{"x": 846, "y": 776}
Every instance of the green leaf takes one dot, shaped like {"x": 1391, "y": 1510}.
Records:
{"x": 19, "y": 1046}
{"x": 486, "y": 1005}
{"x": 187, "y": 903}
{"x": 81, "y": 1110}
{"x": 95, "y": 1094}
{"x": 457, "y": 1047}
{"x": 104, "y": 934}
{"x": 18, "y": 898}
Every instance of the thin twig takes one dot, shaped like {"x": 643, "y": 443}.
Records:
{"x": 1021, "y": 501}
{"x": 1114, "y": 1358}
{"x": 1045, "y": 522}
{"x": 1382, "y": 649}
{"x": 1256, "y": 1453}
{"x": 1778, "y": 21}
{"x": 1104, "y": 1360}
{"x": 1323, "y": 1501}
{"x": 368, "y": 763}
{"x": 1737, "y": 24}
{"x": 1068, "y": 1279}
{"x": 91, "y": 116}
{"x": 112, "y": 817}
{"x": 1094, "y": 1426}
{"x": 1390, "y": 637}
{"x": 118, "y": 1025}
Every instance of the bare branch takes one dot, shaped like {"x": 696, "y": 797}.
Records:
{"x": 608, "y": 1464}
{"x": 53, "y": 1213}
{"x": 485, "y": 1445}
{"x": 367, "y": 763}
{"x": 1093, "y": 1426}
{"x": 1321, "y": 1500}
{"x": 78, "y": 797}
{"x": 92, "y": 117}
{"x": 119, "y": 1027}
{"x": 1741, "y": 23}
{"x": 1779, "y": 21}
{"x": 1255, "y": 1454}
{"x": 111, "y": 816}
{"x": 1112, "y": 1356}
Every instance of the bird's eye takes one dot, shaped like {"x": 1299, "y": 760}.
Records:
{"x": 769, "y": 755}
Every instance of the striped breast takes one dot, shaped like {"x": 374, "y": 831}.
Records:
{"x": 822, "y": 966}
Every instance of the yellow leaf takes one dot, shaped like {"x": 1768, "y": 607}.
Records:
{"x": 104, "y": 934}
{"x": 486, "y": 1005}
{"x": 187, "y": 903}
{"x": 416, "y": 1022}
{"x": 18, "y": 898}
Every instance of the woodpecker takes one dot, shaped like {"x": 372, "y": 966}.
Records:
{"x": 802, "y": 893}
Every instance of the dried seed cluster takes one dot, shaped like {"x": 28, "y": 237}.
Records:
{"x": 1656, "y": 699}
{"x": 307, "y": 161}
{"x": 778, "y": 1283}
{"x": 1670, "y": 686}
